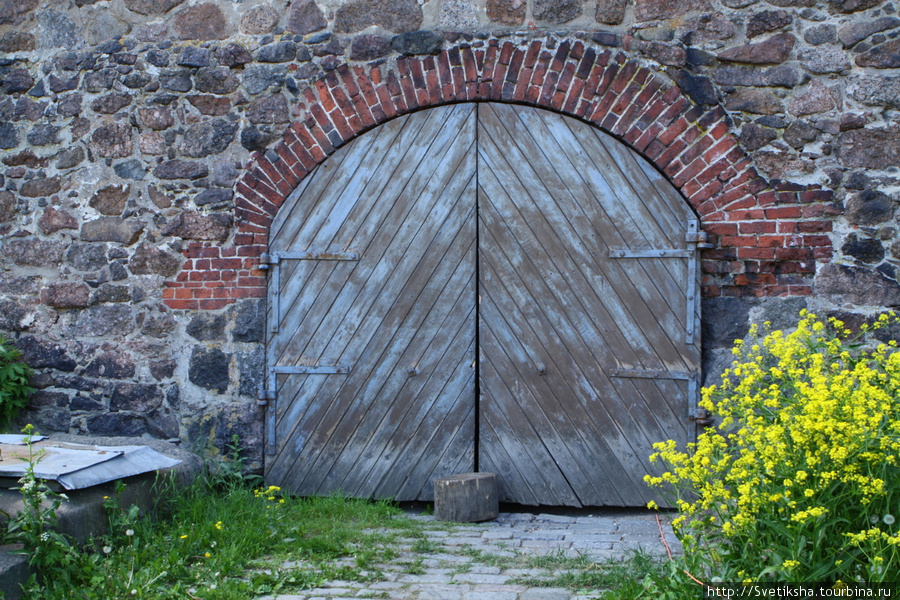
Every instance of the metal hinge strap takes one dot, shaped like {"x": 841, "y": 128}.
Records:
{"x": 696, "y": 239}
{"x": 311, "y": 370}
{"x": 313, "y": 255}
{"x": 653, "y": 253}
{"x": 652, "y": 374}
{"x": 692, "y": 378}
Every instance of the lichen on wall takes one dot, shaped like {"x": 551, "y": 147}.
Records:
{"x": 126, "y": 125}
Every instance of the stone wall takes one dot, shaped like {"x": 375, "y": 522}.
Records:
{"x": 146, "y": 145}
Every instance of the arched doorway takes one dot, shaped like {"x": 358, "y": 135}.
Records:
{"x": 481, "y": 286}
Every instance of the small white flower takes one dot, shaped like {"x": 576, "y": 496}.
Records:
{"x": 134, "y": 592}
{"x": 45, "y": 536}
{"x": 873, "y": 519}
{"x": 129, "y": 532}
{"x": 107, "y": 549}
{"x": 888, "y": 519}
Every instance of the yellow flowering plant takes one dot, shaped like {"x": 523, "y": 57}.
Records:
{"x": 799, "y": 480}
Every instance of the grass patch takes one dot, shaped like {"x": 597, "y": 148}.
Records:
{"x": 426, "y": 546}
{"x": 223, "y": 538}
{"x": 220, "y": 539}
{"x": 638, "y": 576}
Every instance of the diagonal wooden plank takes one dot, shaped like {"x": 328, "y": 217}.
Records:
{"x": 415, "y": 227}
{"x": 601, "y": 433}
{"x": 447, "y": 328}
{"x": 635, "y": 434}
{"x": 663, "y": 221}
{"x": 356, "y": 278}
{"x": 519, "y": 157}
{"x": 523, "y": 198}
{"x": 625, "y": 197}
{"x": 365, "y": 220}
{"x": 674, "y": 418}
{"x": 388, "y": 314}
{"x": 337, "y": 182}
{"x": 336, "y": 185}
{"x": 396, "y": 206}
{"x": 445, "y": 439}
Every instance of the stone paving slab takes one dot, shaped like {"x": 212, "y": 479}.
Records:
{"x": 446, "y": 574}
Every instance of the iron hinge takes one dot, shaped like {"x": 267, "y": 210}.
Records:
{"x": 702, "y": 417}
{"x": 311, "y": 370}
{"x": 266, "y": 261}
{"x": 264, "y": 396}
{"x": 697, "y": 237}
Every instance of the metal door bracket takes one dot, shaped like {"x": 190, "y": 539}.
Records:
{"x": 652, "y": 253}
{"x": 652, "y": 374}
{"x": 311, "y": 370}
{"x": 693, "y": 391}
{"x": 314, "y": 255}
{"x": 272, "y": 261}
{"x": 264, "y": 395}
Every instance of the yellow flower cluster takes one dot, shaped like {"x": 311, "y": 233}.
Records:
{"x": 809, "y": 435}
{"x": 268, "y": 493}
{"x": 271, "y": 493}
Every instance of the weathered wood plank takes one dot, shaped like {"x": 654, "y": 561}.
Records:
{"x": 550, "y": 335}
{"x": 340, "y": 303}
{"x": 380, "y": 313}
{"x": 366, "y": 213}
{"x": 634, "y": 199}
{"x": 567, "y": 170}
{"x": 556, "y": 315}
{"x": 519, "y": 162}
{"x": 441, "y": 340}
{"x": 552, "y": 236}
{"x": 405, "y": 303}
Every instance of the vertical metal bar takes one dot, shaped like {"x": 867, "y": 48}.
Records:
{"x": 271, "y": 410}
{"x": 694, "y": 392}
{"x": 271, "y": 382}
{"x": 276, "y": 293}
{"x": 693, "y": 271}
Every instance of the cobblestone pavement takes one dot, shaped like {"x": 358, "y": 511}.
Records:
{"x": 460, "y": 561}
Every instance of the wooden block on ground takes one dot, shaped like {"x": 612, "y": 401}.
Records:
{"x": 466, "y": 498}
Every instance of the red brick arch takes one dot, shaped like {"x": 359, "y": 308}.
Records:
{"x": 768, "y": 235}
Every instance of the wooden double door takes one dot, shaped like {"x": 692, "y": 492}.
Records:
{"x": 481, "y": 287}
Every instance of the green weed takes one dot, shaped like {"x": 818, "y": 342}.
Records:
{"x": 222, "y": 539}
{"x": 14, "y": 389}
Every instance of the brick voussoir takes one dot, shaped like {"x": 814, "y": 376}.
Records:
{"x": 693, "y": 145}
{"x": 515, "y": 65}
{"x": 299, "y": 150}
{"x": 296, "y": 169}
{"x": 325, "y": 99}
